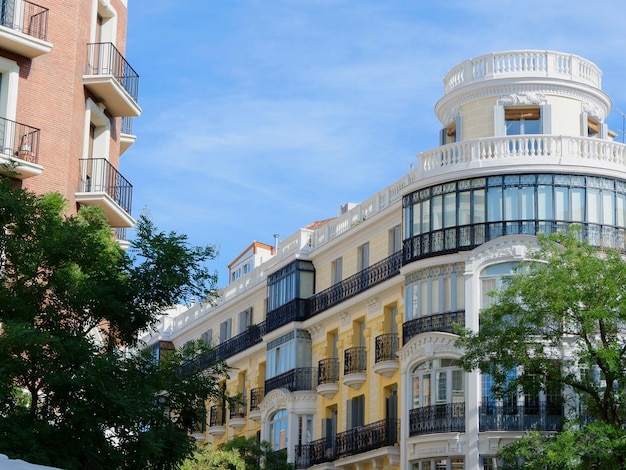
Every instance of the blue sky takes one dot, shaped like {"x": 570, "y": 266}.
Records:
{"x": 260, "y": 117}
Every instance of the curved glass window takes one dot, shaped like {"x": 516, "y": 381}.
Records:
{"x": 278, "y": 430}
{"x": 464, "y": 214}
{"x": 437, "y": 382}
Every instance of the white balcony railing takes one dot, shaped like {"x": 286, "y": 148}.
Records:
{"x": 524, "y": 63}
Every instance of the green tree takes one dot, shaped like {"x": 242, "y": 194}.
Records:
{"x": 72, "y": 305}
{"x": 247, "y": 452}
{"x": 572, "y": 299}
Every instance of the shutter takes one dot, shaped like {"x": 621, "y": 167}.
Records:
{"x": 350, "y": 411}
{"x": 604, "y": 131}
{"x": 584, "y": 124}
{"x": 459, "y": 129}
{"x": 546, "y": 119}
{"x": 499, "y": 126}
{"x": 442, "y": 137}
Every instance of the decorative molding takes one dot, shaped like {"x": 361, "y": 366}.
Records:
{"x": 434, "y": 271}
{"x": 527, "y": 98}
{"x": 423, "y": 347}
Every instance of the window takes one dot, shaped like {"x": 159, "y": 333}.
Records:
{"x": 288, "y": 352}
{"x": 438, "y": 382}
{"x": 9, "y": 76}
{"x": 207, "y": 336}
{"x": 451, "y": 133}
{"x": 245, "y": 320}
{"x": 363, "y": 257}
{"x": 439, "y": 463}
{"x": 278, "y": 430}
{"x": 336, "y": 271}
{"x": 105, "y": 22}
{"x": 493, "y": 278}
{"x": 395, "y": 239}
{"x": 226, "y": 330}
{"x": 356, "y": 412}
{"x": 522, "y": 120}
{"x": 294, "y": 281}
{"x": 435, "y": 290}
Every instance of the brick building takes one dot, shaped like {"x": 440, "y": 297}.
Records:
{"x": 67, "y": 97}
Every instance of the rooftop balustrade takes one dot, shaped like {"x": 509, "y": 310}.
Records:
{"x": 523, "y": 63}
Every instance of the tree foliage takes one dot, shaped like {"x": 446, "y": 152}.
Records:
{"x": 72, "y": 305}
{"x": 560, "y": 321}
{"x": 249, "y": 452}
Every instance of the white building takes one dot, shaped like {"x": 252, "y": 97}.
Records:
{"x": 343, "y": 342}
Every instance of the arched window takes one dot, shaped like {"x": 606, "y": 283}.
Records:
{"x": 278, "y": 430}
{"x": 436, "y": 382}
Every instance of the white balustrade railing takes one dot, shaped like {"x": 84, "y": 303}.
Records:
{"x": 526, "y": 63}
{"x": 526, "y": 149}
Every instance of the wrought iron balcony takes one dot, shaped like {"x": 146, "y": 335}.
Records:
{"x": 386, "y": 347}
{"x": 386, "y": 362}
{"x": 353, "y": 285}
{"x": 256, "y": 397}
{"x": 518, "y": 417}
{"x": 103, "y": 185}
{"x": 217, "y": 416}
{"x": 328, "y": 377}
{"x": 25, "y": 28}
{"x": 239, "y": 410}
{"x": 328, "y": 371}
{"x": 443, "y": 322}
{"x": 449, "y": 417}
{"x": 303, "y": 378}
{"x": 127, "y": 138}
{"x": 111, "y": 78}
{"x": 355, "y": 360}
{"x": 19, "y": 148}
{"x": 291, "y": 311}
{"x": 355, "y": 441}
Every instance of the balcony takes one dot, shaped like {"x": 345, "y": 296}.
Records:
{"x": 442, "y": 322}
{"x": 302, "y": 378}
{"x": 217, "y": 420}
{"x": 386, "y": 361}
{"x": 517, "y": 417}
{"x": 127, "y": 138}
{"x": 256, "y": 397}
{"x": 291, "y": 311}
{"x": 353, "y": 285}
{"x": 328, "y": 377}
{"x": 19, "y": 149}
{"x": 449, "y": 417}
{"x": 24, "y": 28}
{"x": 384, "y": 433}
{"x": 354, "y": 367}
{"x": 112, "y": 80}
{"x": 238, "y": 419}
{"x": 102, "y": 185}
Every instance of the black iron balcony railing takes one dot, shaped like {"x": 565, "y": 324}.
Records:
{"x": 387, "y": 346}
{"x": 449, "y": 417}
{"x": 328, "y": 371}
{"x": 520, "y": 417}
{"x": 25, "y": 17}
{"x": 355, "y": 441}
{"x": 98, "y": 175}
{"x": 217, "y": 415}
{"x": 294, "y": 310}
{"x": 355, "y": 360}
{"x": 443, "y": 322}
{"x": 127, "y": 125}
{"x": 365, "y": 438}
{"x": 303, "y": 378}
{"x": 256, "y": 397}
{"x": 103, "y": 58}
{"x": 468, "y": 237}
{"x": 19, "y": 141}
{"x": 353, "y": 285}
{"x": 238, "y": 410}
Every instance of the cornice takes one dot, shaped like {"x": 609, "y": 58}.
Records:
{"x": 595, "y": 102}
